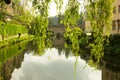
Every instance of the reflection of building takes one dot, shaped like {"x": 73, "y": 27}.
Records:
{"x": 116, "y": 17}
{"x": 111, "y": 69}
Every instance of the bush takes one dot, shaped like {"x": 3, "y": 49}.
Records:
{"x": 113, "y": 47}
{"x": 8, "y": 29}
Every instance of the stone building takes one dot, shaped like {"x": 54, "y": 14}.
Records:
{"x": 116, "y": 18}
{"x": 115, "y": 22}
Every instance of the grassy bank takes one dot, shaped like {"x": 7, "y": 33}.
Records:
{"x": 15, "y": 40}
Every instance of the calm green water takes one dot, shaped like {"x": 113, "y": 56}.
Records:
{"x": 19, "y": 62}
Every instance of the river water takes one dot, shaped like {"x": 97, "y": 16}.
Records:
{"x": 54, "y": 64}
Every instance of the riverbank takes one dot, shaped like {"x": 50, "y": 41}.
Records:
{"x": 14, "y": 40}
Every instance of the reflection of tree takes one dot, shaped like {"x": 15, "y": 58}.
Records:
{"x": 59, "y": 50}
{"x": 10, "y": 64}
{"x": 112, "y": 63}
{"x": 41, "y": 45}
{"x": 67, "y": 52}
{"x": 10, "y": 58}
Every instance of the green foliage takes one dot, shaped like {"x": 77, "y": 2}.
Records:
{"x": 75, "y": 39}
{"x": 25, "y": 18}
{"x": 59, "y": 4}
{"x": 72, "y": 36}
{"x": 71, "y": 15}
{"x": 99, "y": 13}
{"x": 8, "y": 29}
{"x": 15, "y": 40}
{"x": 10, "y": 51}
{"x": 42, "y": 6}
{"x": 40, "y": 25}
{"x": 1, "y": 15}
{"x": 41, "y": 39}
{"x": 113, "y": 47}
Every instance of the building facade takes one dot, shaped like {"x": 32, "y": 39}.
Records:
{"x": 115, "y": 22}
{"x": 116, "y": 18}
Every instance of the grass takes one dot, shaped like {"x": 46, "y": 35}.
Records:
{"x": 15, "y": 40}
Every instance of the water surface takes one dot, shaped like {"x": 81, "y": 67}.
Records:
{"x": 52, "y": 66}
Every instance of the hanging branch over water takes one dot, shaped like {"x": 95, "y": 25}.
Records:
{"x": 41, "y": 24}
{"x": 99, "y": 13}
{"x": 59, "y": 4}
{"x": 71, "y": 15}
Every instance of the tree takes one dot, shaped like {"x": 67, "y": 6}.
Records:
{"x": 99, "y": 13}
{"x": 40, "y": 24}
{"x": 6, "y": 1}
{"x": 59, "y": 4}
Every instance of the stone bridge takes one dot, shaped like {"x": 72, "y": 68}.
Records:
{"x": 57, "y": 29}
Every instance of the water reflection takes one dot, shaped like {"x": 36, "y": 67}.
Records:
{"x": 52, "y": 66}
{"x": 111, "y": 68}
{"x": 11, "y": 58}
{"x": 57, "y": 63}
{"x": 9, "y": 66}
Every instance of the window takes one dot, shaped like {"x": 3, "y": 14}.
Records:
{"x": 118, "y": 22}
{"x": 114, "y": 25}
{"x": 114, "y": 9}
{"x": 119, "y": 9}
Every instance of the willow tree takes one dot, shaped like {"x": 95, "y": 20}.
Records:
{"x": 99, "y": 13}
{"x": 59, "y": 4}
{"x": 41, "y": 24}
{"x": 71, "y": 15}
{"x": 74, "y": 36}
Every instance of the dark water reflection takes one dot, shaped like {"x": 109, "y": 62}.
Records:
{"x": 52, "y": 66}
{"x": 111, "y": 68}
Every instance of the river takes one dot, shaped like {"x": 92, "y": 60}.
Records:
{"x": 19, "y": 62}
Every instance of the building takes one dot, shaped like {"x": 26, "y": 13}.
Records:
{"x": 116, "y": 18}
{"x": 115, "y": 22}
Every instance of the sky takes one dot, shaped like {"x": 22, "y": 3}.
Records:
{"x": 53, "y": 12}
